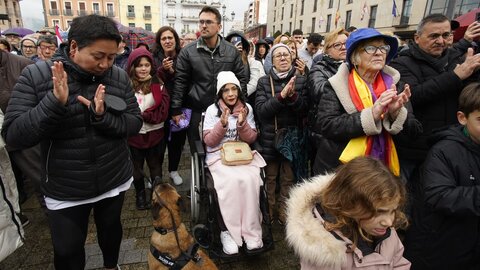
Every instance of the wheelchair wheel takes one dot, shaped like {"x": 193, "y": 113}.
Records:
{"x": 195, "y": 189}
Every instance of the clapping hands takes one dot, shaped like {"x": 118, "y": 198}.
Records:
{"x": 391, "y": 102}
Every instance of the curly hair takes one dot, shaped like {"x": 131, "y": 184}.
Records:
{"x": 356, "y": 191}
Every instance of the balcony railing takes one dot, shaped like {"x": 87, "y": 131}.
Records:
{"x": 68, "y": 12}
{"x": 130, "y": 14}
{"x": 171, "y": 17}
{"x": 170, "y": 2}
{"x": 147, "y": 15}
{"x": 189, "y": 18}
{"x": 82, "y": 12}
{"x": 54, "y": 12}
{"x": 96, "y": 12}
{"x": 193, "y": 3}
{"x": 216, "y": 4}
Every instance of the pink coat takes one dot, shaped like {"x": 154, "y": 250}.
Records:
{"x": 319, "y": 249}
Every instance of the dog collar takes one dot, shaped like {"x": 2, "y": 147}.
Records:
{"x": 181, "y": 261}
{"x": 163, "y": 231}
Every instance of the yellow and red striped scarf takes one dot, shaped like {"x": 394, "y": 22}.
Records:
{"x": 380, "y": 146}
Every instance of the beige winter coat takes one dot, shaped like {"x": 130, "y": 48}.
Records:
{"x": 319, "y": 249}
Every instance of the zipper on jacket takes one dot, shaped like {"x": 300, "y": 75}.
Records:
{"x": 48, "y": 156}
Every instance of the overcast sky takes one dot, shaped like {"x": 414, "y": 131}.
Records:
{"x": 32, "y": 12}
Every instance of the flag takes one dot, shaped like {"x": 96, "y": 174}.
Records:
{"x": 337, "y": 17}
{"x": 58, "y": 34}
{"x": 394, "y": 9}
{"x": 364, "y": 11}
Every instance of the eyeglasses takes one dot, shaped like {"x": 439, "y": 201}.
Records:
{"x": 206, "y": 22}
{"x": 280, "y": 55}
{"x": 370, "y": 49}
{"x": 338, "y": 45}
{"x": 445, "y": 35}
{"x": 29, "y": 47}
{"x": 45, "y": 47}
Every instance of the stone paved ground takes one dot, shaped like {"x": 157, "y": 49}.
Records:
{"x": 37, "y": 251}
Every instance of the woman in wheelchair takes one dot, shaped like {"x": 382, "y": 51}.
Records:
{"x": 230, "y": 118}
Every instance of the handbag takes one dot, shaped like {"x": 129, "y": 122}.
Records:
{"x": 183, "y": 124}
{"x": 236, "y": 153}
{"x": 279, "y": 133}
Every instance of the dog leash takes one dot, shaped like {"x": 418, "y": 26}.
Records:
{"x": 184, "y": 257}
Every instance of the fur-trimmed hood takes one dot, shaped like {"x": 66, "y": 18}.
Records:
{"x": 320, "y": 249}
{"x": 305, "y": 233}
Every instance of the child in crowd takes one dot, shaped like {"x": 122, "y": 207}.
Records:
{"x": 347, "y": 220}
{"x": 153, "y": 100}
{"x": 446, "y": 215}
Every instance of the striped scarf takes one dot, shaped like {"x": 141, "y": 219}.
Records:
{"x": 380, "y": 146}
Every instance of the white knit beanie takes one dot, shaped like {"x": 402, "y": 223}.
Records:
{"x": 225, "y": 77}
{"x": 278, "y": 45}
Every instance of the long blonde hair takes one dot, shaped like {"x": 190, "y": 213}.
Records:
{"x": 358, "y": 188}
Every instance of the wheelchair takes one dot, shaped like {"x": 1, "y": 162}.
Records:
{"x": 205, "y": 210}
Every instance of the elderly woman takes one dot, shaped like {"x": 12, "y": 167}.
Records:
{"x": 280, "y": 103}
{"x": 360, "y": 108}
{"x": 230, "y": 118}
{"x": 334, "y": 55}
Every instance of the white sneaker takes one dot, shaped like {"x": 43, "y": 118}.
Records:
{"x": 177, "y": 179}
{"x": 254, "y": 244}
{"x": 229, "y": 245}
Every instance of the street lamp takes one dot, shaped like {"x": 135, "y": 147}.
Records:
{"x": 225, "y": 19}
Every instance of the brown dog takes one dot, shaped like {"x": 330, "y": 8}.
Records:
{"x": 164, "y": 198}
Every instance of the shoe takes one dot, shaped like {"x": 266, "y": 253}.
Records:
{"x": 254, "y": 244}
{"x": 229, "y": 245}
{"x": 177, "y": 179}
{"x": 23, "y": 219}
{"x": 148, "y": 183}
{"x": 141, "y": 201}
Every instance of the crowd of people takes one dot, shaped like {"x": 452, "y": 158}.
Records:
{"x": 370, "y": 146}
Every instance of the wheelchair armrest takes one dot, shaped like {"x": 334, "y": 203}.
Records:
{"x": 257, "y": 146}
{"x": 199, "y": 148}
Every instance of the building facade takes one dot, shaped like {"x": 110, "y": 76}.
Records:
{"x": 141, "y": 13}
{"x": 182, "y": 15}
{"x": 10, "y": 15}
{"x": 321, "y": 16}
{"x": 62, "y": 12}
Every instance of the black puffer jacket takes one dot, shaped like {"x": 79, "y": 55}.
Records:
{"x": 435, "y": 90}
{"x": 196, "y": 73}
{"x": 289, "y": 111}
{"x": 83, "y": 158}
{"x": 444, "y": 233}
{"x": 318, "y": 76}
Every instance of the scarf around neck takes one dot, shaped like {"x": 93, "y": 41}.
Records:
{"x": 379, "y": 146}
{"x": 281, "y": 75}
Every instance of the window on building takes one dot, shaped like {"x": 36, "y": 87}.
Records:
{"x": 53, "y": 8}
{"x": 275, "y": 3}
{"x": 330, "y": 3}
{"x": 302, "y": 7}
{"x": 274, "y": 15}
{"x": 281, "y": 28}
{"x": 82, "y": 10}
{"x": 147, "y": 12}
{"x": 406, "y": 10}
{"x": 148, "y": 26}
{"x": 329, "y": 22}
{"x": 172, "y": 25}
{"x": 55, "y": 22}
{"x": 282, "y": 12}
{"x": 313, "y": 24}
{"x": 349, "y": 1}
{"x": 291, "y": 11}
{"x": 301, "y": 25}
{"x": 130, "y": 11}
{"x": 273, "y": 29}
{"x": 96, "y": 8}
{"x": 373, "y": 16}
{"x": 68, "y": 9}
{"x": 348, "y": 19}
{"x": 131, "y": 24}
{"x": 110, "y": 11}
{"x": 290, "y": 27}
{"x": 315, "y": 2}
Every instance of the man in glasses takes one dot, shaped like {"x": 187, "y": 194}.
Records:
{"x": 198, "y": 65}
{"x": 436, "y": 75}
{"x": 47, "y": 45}
{"x": 28, "y": 46}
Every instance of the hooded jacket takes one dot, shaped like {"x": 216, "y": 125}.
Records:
{"x": 83, "y": 157}
{"x": 444, "y": 233}
{"x": 257, "y": 46}
{"x": 321, "y": 249}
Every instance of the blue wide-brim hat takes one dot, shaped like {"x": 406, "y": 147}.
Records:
{"x": 367, "y": 33}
